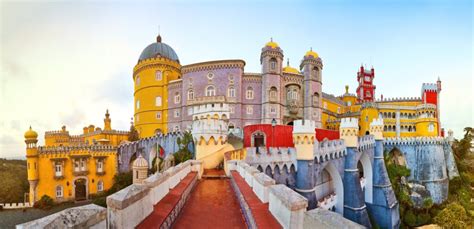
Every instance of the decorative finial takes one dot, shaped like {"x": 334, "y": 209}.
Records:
{"x": 107, "y": 113}
{"x": 288, "y": 62}
{"x": 311, "y": 48}
{"x": 271, "y": 39}
{"x": 158, "y": 38}
{"x": 347, "y": 89}
{"x": 30, "y": 127}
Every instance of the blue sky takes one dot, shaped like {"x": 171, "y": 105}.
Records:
{"x": 64, "y": 63}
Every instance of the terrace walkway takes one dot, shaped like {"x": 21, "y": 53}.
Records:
{"x": 212, "y": 204}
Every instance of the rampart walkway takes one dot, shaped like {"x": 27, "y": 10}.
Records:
{"x": 212, "y": 204}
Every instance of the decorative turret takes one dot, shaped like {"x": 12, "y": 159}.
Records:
{"x": 348, "y": 131}
{"x": 303, "y": 139}
{"x": 366, "y": 88}
{"x": 31, "y": 138}
{"x": 368, "y": 113}
{"x": 271, "y": 60}
{"x": 140, "y": 170}
{"x": 107, "y": 121}
{"x": 450, "y": 137}
{"x": 312, "y": 66}
{"x": 376, "y": 128}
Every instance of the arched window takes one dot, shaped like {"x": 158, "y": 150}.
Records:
{"x": 59, "y": 191}
{"x": 316, "y": 99}
{"x": 292, "y": 94}
{"x": 158, "y": 75}
{"x": 100, "y": 186}
{"x": 58, "y": 169}
{"x": 210, "y": 90}
{"x": 249, "y": 93}
{"x": 231, "y": 92}
{"x": 315, "y": 73}
{"x": 190, "y": 94}
{"x": 137, "y": 81}
{"x": 177, "y": 98}
{"x": 273, "y": 63}
{"x": 249, "y": 110}
{"x": 138, "y": 104}
{"x": 273, "y": 94}
{"x": 231, "y": 126}
{"x": 367, "y": 93}
{"x": 431, "y": 127}
{"x": 158, "y": 115}
{"x": 158, "y": 101}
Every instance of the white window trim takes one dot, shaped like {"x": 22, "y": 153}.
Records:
{"x": 59, "y": 191}
{"x": 249, "y": 93}
{"x": 158, "y": 101}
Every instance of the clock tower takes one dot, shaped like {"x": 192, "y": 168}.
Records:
{"x": 366, "y": 88}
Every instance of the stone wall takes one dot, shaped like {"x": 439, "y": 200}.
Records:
{"x": 430, "y": 160}
{"x": 147, "y": 147}
{"x": 87, "y": 216}
{"x": 130, "y": 206}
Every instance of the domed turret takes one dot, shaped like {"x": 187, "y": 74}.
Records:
{"x": 31, "y": 134}
{"x": 272, "y": 44}
{"x": 159, "y": 49}
{"x": 312, "y": 54}
{"x": 140, "y": 170}
{"x": 289, "y": 69}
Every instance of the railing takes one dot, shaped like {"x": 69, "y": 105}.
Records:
{"x": 15, "y": 205}
{"x": 238, "y": 154}
{"x": 328, "y": 201}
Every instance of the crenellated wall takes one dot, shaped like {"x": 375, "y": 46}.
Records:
{"x": 147, "y": 147}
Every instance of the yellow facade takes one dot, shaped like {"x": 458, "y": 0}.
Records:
{"x": 401, "y": 117}
{"x": 151, "y": 78}
{"x": 72, "y": 167}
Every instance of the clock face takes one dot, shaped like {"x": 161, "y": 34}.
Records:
{"x": 367, "y": 78}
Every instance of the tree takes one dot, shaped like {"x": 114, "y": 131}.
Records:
{"x": 133, "y": 134}
{"x": 184, "y": 153}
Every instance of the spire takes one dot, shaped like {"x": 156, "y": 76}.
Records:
{"x": 271, "y": 39}
{"x": 347, "y": 89}
{"x": 158, "y": 38}
{"x": 107, "y": 113}
{"x": 288, "y": 62}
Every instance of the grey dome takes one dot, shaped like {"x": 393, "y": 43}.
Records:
{"x": 158, "y": 49}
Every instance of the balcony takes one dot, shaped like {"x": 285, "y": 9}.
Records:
{"x": 207, "y": 99}
{"x": 80, "y": 172}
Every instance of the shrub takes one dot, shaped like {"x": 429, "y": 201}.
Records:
{"x": 44, "y": 203}
{"x": 453, "y": 216}
{"x": 410, "y": 218}
{"x": 423, "y": 218}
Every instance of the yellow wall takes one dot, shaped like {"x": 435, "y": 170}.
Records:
{"x": 46, "y": 171}
{"x": 367, "y": 115}
{"x": 148, "y": 89}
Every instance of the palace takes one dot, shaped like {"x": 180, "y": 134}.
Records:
{"x": 165, "y": 93}
{"x": 71, "y": 167}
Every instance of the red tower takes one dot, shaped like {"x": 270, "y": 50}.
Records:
{"x": 366, "y": 88}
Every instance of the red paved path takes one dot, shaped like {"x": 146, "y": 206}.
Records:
{"x": 212, "y": 204}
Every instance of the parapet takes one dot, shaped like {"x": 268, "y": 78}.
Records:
{"x": 397, "y": 141}
{"x": 349, "y": 123}
{"x": 304, "y": 127}
{"x": 376, "y": 128}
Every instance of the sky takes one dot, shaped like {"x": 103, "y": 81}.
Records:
{"x": 65, "y": 63}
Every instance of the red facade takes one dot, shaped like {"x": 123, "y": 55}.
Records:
{"x": 283, "y": 135}
{"x": 430, "y": 97}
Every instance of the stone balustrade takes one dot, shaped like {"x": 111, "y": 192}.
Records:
{"x": 131, "y": 205}
{"x": 15, "y": 205}
{"x": 287, "y": 206}
{"x": 328, "y": 201}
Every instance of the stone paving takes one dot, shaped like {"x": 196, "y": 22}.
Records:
{"x": 212, "y": 204}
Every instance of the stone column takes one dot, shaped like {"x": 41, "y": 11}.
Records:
{"x": 354, "y": 202}
{"x": 397, "y": 117}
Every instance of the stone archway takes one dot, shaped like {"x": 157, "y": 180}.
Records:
{"x": 337, "y": 185}
{"x": 258, "y": 139}
{"x": 81, "y": 191}
{"x": 368, "y": 176}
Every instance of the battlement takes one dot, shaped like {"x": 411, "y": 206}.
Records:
{"x": 328, "y": 150}
{"x": 415, "y": 141}
{"x": 399, "y": 99}
{"x": 304, "y": 127}
{"x": 365, "y": 142}
{"x": 203, "y": 111}
{"x": 263, "y": 157}
{"x": 376, "y": 128}
{"x": 426, "y": 106}
{"x": 429, "y": 87}
{"x": 349, "y": 123}
{"x": 64, "y": 149}
{"x": 56, "y": 133}
{"x": 367, "y": 105}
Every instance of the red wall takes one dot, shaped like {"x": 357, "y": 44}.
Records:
{"x": 283, "y": 135}
{"x": 430, "y": 97}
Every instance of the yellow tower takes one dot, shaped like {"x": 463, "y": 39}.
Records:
{"x": 303, "y": 138}
{"x": 107, "y": 121}
{"x": 157, "y": 66}
{"x": 368, "y": 113}
{"x": 31, "y": 138}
